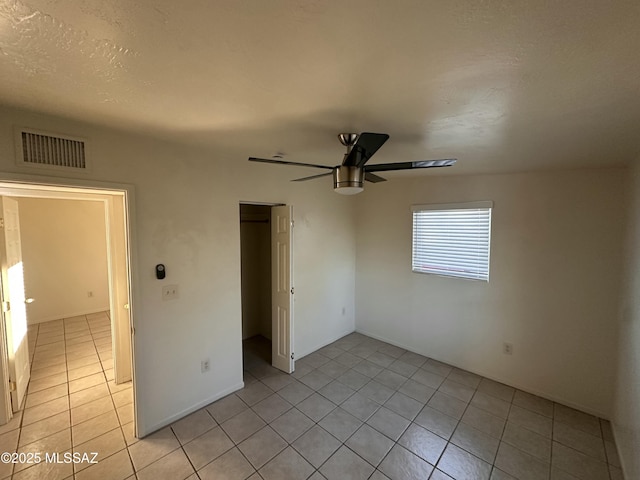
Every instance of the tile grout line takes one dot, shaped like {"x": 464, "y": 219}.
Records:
{"x": 68, "y": 393}
{"x": 411, "y": 422}
{"x": 64, "y": 329}
{"x": 477, "y": 389}
{"x": 553, "y": 428}
{"x": 458, "y": 422}
{"x": 66, "y": 359}
{"x": 500, "y": 440}
{"x": 395, "y": 442}
{"x": 604, "y": 445}
{"x": 511, "y": 404}
{"x": 115, "y": 409}
{"x": 181, "y": 445}
{"x": 377, "y": 409}
{"x": 293, "y": 406}
{"x": 236, "y": 445}
{"x": 364, "y": 422}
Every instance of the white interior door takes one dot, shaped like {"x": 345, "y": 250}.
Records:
{"x": 13, "y": 296}
{"x": 119, "y": 278}
{"x": 282, "y": 288}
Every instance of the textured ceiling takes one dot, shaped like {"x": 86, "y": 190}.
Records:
{"x": 502, "y": 85}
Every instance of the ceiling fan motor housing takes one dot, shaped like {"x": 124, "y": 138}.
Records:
{"x": 348, "y": 180}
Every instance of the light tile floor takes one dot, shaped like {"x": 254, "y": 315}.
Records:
{"x": 356, "y": 409}
{"x": 72, "y": 404}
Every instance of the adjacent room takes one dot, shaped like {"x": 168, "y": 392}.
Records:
{"x": 356, "y": 240}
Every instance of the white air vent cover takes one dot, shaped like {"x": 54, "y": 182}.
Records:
{"x": 45, "y": 150}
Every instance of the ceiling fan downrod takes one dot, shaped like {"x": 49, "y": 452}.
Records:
{"x": 348, "y": 140}
{"x": 348, "y": 180}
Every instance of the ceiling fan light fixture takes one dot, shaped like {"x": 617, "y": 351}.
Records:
{"x": 348, "y": 180}
{"x": 348, "y": 190}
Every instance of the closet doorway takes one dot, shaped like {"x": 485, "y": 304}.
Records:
{"x": 266, "y": 242}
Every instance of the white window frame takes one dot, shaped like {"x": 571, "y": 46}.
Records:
{"x": 469, "y": 259}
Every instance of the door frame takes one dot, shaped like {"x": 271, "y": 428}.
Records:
{"x": 19, "y": 185}
{"x": 273, "y": 286}
{"x": 9, "y": 316}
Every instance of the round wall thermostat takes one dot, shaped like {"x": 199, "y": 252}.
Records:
{"x": 160, "y": 271}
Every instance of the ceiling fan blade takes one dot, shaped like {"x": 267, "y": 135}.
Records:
{"x": 385, "y": 167}
{"x": 304, "y": 179}
{"x": 370, "y": 177}
{"x": 282, "y": 162}
{"x": 366, "y": 145}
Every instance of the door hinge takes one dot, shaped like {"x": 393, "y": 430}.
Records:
{"x": 6, "y": 306}
{"x": 291, "y": 355}
{"x": 293, "y": 223}
{"x": 291, "y": 290}
{"x": 12, "y": 386}
{"x": 1, "y": 222}
{"x": 133, "y": 331}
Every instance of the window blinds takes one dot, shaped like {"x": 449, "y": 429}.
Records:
{"x": 452, "y": 240}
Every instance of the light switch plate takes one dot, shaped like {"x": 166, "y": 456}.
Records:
{"x": 170, "y": 292}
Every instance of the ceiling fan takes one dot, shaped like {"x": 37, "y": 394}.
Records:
{"x": 349, "y": 177}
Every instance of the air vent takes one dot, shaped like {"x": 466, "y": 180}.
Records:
{"x": 50, "y": 151}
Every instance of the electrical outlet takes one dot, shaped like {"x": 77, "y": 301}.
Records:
{"x": 170, "y": 292}
{"x": 205, "y": 365}
{"x": 507, "y": 348}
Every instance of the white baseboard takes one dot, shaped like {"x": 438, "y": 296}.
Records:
{"x": 322, "y": 345}
{"x": 143, "y": 432}
{"x": 524, "y": 388}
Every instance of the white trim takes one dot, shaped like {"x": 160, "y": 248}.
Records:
{"x": 183, "y": 413}
{"x": 452, "y": 206}
{"x": 325, "y": 344}
{"x": 517, "y": 386}
{"x": 19, "y": 183}
{"x": 62, "y": 184}
{"x": 262, "y": 204}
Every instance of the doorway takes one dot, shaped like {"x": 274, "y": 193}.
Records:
{"x": 255, "y": 245}
{"x": 113, "y": 204}
{"x": 266, "y": 248}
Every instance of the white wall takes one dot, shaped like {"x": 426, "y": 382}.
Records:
{"x": 186, "y": 214}
{"x": 553, "y": 293}
{"x": 64, "y": 251}
{"x": 626, "y": 419}
{"x": 255, "y": 238}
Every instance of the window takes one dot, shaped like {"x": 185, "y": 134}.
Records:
{"x": 452, "y": 240}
